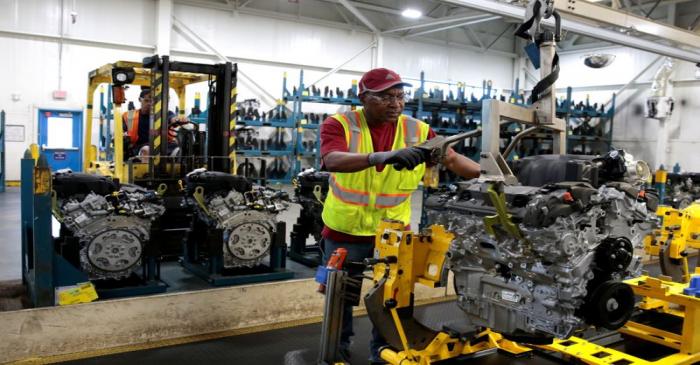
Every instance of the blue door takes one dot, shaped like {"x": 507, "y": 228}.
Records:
{"x": 60, "y": 138}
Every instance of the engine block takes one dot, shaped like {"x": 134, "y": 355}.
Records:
{"x": 558, "y": 270}
{"x": 245, "y": 213}
{"x": 112, "y": 230}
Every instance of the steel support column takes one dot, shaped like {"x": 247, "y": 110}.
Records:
{"x": 164, "y": 25}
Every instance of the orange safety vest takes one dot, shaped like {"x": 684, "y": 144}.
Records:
{"x": 131, "y": 121}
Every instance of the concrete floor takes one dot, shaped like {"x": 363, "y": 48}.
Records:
{"x": 10, "y": 242}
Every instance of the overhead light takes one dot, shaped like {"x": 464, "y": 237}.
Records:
{"x": 411, "y": 13}
{"x": 598, "y": 60}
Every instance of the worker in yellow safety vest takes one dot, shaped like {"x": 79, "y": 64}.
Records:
{"x": 375, "y": 167}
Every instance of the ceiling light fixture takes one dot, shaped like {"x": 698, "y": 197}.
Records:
{"x": 598, "y": 60}
{"x": 411, "y": 13}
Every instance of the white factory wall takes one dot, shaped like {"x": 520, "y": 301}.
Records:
{"x": 632, "y": 131}
{"x": 29, "y": 66}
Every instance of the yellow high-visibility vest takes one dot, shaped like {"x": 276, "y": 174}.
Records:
{"x": 358, "y": 201}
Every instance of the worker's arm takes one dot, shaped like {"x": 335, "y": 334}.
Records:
{"x": 461, "y": 165}
{"x": 335, "y": 156}
{"x": 345, "y": 161}
{"x": 407, "y": 158}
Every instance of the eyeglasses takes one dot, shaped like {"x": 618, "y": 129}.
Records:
{"x": 389, "y": 98}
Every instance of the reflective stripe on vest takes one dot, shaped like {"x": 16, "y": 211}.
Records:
{"x": 351, "y": 121}
{"x": 130, "y": 120}
{"x": 348, "y": 195}
{"x": 390, "y": 200}
{"x": 132, "y": 124}
{"x": 411, "y": 131}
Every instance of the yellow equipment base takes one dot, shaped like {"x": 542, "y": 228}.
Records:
{"x": 663, "y": 296}
{"x": 445, "y": 347}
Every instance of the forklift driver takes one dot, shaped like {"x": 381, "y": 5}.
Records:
{"x": 137, "y": 126}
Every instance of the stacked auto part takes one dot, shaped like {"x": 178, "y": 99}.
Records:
{"x": 551, "y": 262}
{"x": 238, "y": 218}
{"x": 107, "y": 224}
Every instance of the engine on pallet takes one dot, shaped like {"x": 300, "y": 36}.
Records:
{"x": 310, "y": 190}
{"x": 243, "y": 213}
{"x": 554, "y": 262}
{"x": 110, "y": 223}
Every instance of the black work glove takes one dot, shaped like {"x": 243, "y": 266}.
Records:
{"x": 405, "y": 158}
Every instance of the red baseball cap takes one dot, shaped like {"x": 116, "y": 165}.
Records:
{"x": 380, "y": 79}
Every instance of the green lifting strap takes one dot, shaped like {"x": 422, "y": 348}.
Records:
{"x": 318, "y": 193}
{"x": 502, "y": 217}
{"x": 199, "y": 198}
{"x": 54, "y": 207}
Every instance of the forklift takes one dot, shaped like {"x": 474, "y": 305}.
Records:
{"x": 120, "y": 218}
{"x": 211, "y": 147}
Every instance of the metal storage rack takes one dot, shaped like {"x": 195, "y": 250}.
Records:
{"x": 298, "y": 96}
{"x": 451, "y": 112}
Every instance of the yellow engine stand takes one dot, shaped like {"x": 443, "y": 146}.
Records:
{"x": 445, "y": 347}
{"x": 403, "y": 259}
{"x": 657, "y": 295}
{"x": 680, "y": 230}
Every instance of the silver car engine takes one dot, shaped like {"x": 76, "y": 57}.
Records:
{"x": 555, "y": 265}
{"x": 112, "y": 230}
{"x": 245, "y": 213}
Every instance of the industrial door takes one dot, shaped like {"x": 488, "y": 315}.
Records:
{"x": 60, "y": 138}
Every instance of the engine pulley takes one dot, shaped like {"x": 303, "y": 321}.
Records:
{"x": 610, "y": 305}
{"x": 614, "y": 255}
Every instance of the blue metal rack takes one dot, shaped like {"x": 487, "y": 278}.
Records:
{"x": 298, "y": 96}
{"x": 290, "y": 122}
{"x": 449, "y": 106}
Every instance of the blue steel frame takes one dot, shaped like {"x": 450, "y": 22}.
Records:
{"x": 42, "y": 269}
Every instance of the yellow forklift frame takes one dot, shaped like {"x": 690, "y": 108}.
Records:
{"x": 143, "y": 77}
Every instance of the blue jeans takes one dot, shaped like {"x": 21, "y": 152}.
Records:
{"x": 356, "y": 253}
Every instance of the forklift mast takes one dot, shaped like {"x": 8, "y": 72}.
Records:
{"x": 221, "y": 123}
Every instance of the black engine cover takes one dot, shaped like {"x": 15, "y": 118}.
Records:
{"x": 77, "y": 185}
{"x": 217, "y": 182}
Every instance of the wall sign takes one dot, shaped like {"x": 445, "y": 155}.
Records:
{"x": 14, "y": 133}
{"x": 59, "y": 156}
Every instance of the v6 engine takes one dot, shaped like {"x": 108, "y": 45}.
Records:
{"x": 245, "y": 214}
{"x": 111, "y": 223}
{"x": 551, "y": 262}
